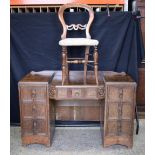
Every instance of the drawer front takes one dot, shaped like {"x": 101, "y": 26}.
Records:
{"x": 76, "y": 93}
{"x": 70, "y": 93}
{"x": 30, "y": 93}
{"x": 30, "y": 110}
{"x": 34, "y": 127}
{"x": 118, "y": 110}
{"x": 127, "y": 128}
{"x": 119, "y": 128}
{"x": 120, "y": 93}
{"x": 111, "y": 128}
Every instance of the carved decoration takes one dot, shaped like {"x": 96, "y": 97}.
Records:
{"x": 52, "y": 92}
{"x": 76, "y": 27}
{"x": 101, "y": 92}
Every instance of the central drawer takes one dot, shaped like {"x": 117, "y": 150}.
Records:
{"x": 75, "y": 92}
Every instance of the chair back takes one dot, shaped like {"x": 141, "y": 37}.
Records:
{"x": 66, "y": 27}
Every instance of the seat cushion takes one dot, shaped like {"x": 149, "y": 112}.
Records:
{"x": 78, "y": 42}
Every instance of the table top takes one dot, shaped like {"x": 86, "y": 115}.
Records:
{"x": 75, "y": 77}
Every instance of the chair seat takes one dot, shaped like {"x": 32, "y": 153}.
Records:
{"x": 78, "y": 42}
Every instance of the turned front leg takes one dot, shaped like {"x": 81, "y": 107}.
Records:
{"x": 64, "y": 65}
{"x": 86, "y": 63}
{"x": 96, "y": 64}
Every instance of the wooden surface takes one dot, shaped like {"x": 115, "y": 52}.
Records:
{"x": 79, "y": 110}
{"x": 119, "y": 111}
{"x": 36, "y": 111}
{"x": 115, "y": 101}
{"x": 41, "y": 2}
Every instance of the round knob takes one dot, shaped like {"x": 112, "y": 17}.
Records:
{"x": 33, "y": 93}
{"x": 34, "y": 107}
{"x": 77, "y": 94}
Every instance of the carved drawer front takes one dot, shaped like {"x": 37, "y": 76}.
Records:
{"x": 127, "y": 111}
{"x": 91, "y": 92}
{"x": 119, "y": 127}
{"x": 111, "y": 128}
{"x": 120, "y": 93}
{"x": 62, "y": 93}
{"x": 30, "y": 110}
{"x": 34, "y": 127}
{"x": 118, "y": 110}
{"x": 112, "y": 111}
{"x": 127, "y": 127}
{"x": 27, "y": 126}
{"x": 30, "y": 93}
{"x": 76, "y": 93}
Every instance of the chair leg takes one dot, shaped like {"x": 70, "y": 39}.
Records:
{"x": 85, "y": 64}
{"x": 96, "y": 64}
{"x": 64, "y": 64}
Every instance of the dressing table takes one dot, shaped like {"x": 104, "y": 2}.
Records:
{"x": 40, "y": 91}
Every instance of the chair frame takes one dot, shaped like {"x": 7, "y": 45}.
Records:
{"x": 65, "y": 71}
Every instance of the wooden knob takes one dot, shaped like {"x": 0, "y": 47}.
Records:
{"x": 77, "y": 94}
{"x": 33, "y": 93}
{"x": 34, "y": 126}
{"x": 121, "y": 93}
{"x": 34, "y": 107}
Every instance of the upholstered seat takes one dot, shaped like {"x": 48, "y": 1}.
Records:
{"x": 78, "y": 42}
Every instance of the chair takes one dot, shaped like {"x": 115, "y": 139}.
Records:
{"x": 87, "y": 42}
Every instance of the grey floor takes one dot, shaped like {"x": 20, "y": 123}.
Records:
{"x": 77, "y": 141}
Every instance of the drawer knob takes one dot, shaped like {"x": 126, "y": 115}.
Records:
{"x": 34, "y": 124}
{"x": 34, "y": 127}
{"x": 33, "y": 93}
{"x": 77, "y": 94}
{"x": 33, "y": 107}
{"x": 121, "y": 93}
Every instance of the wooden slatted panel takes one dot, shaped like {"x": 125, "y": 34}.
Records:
{"x": 55, "y": 8}
{"x": 44, "y": 2}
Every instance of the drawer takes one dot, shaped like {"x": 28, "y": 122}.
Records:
{"x": 127, "y": 111}
{"x": 127, "y": 127}
{"x": 120, "y": 93}
{"x": 111, "y": 128}
{"x": 30, "y": 110}
{"x": 118, "y": 110}
{"x": 118, "y": 128}
{"x": 112, "y": 111}
{"x": 34, "y": 127}
{"x": 76, "y": 93}
{"x": 30, "y": 93}
{"x": 70, "y": 93}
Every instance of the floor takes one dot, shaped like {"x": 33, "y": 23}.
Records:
{"x": 77, "y": 141}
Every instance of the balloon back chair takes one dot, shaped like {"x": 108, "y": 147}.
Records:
{"x": 87, "y": 42}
